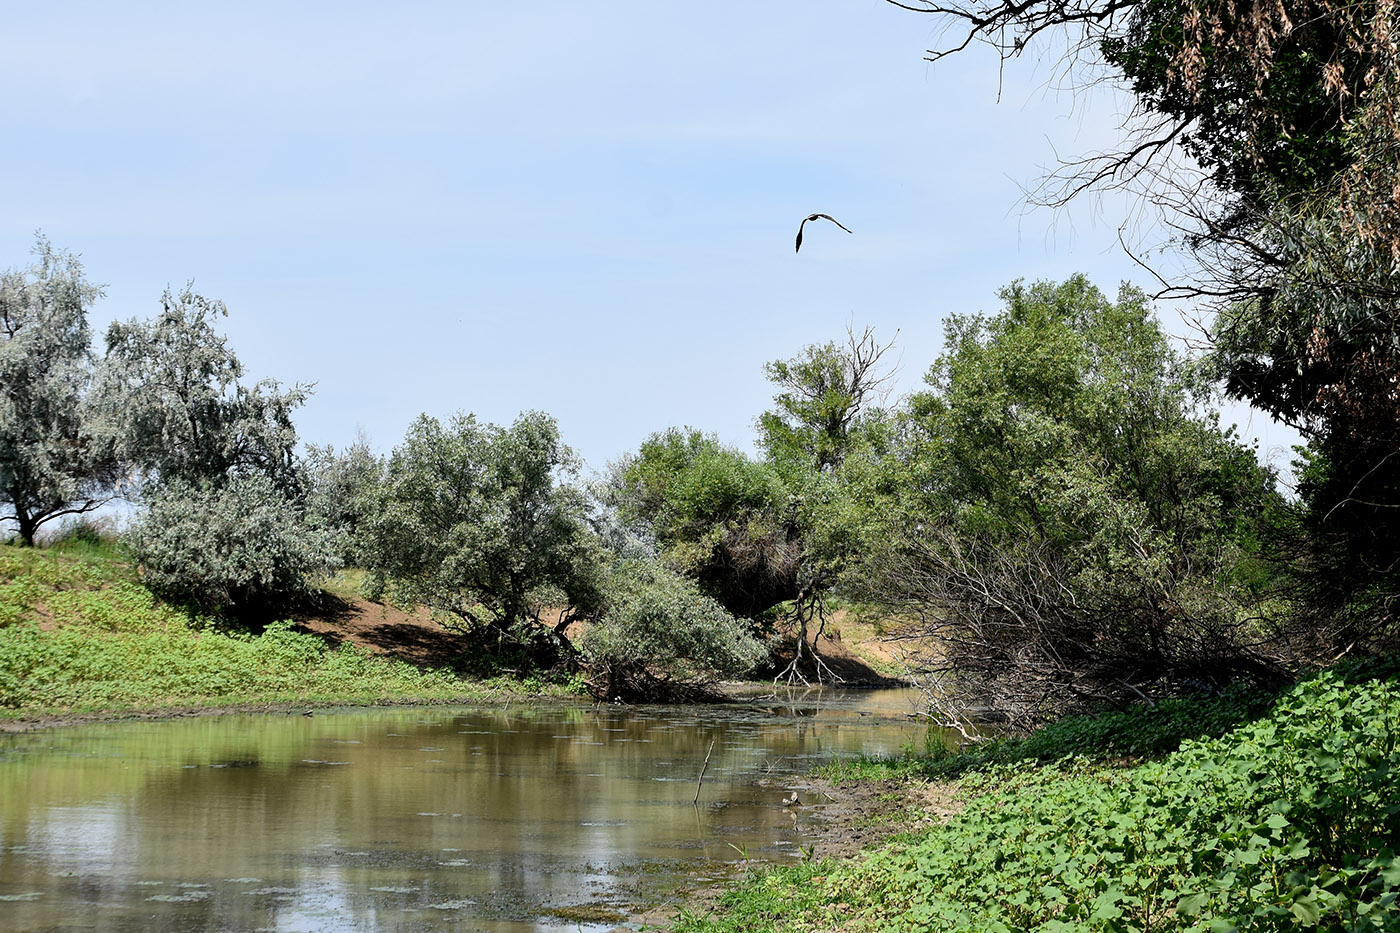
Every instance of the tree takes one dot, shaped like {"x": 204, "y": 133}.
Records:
{"x": 718, "y": 516}
{"x": 662, "y": 637}
{"x": 55, "y": 456}
{"x": 225, "y": 523}
{"x": 1289, "y": 117}
{"x": 472, "y": 520}
{"x": 179, "y": 411}
{"x": 828, "y": 421}
{"x": 1074, "y": 530}
{"x": 1259, "y": 96}
{"x": 824, "y": 400}
{"x": 340, "y": 491}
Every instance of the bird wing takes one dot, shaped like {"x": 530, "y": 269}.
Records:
{"x": 798, "y": 249}
{"x": 835, "y": 221}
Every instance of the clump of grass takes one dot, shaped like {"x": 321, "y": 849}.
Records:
{"x": 346, "y": 583}
{"x": 873, "y": 768}
{"x": 90, "y": 538}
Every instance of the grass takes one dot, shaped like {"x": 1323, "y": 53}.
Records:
{"x": 1118, "y": 736}
{"x": 79, "y": 634}
{"x": 347, "y": 583}
{"x": 1287, "y": 820}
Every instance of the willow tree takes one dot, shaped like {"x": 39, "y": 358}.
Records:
{"x": 174, "y": 394}
{"x": 55, "y": 455}
{"x": 481, "y": 524}
{"x": 225, "y": 521}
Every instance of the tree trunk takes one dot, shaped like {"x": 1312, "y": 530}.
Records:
{"x": 28, "y": 526}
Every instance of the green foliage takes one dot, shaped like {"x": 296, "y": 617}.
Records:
{"x": 68, "y": 669}
{"x": 79, "y": 633}
{"x": 823, "y": 409}
{"x": 1288, "y": 821}
{"x": 1324, "y": 358}
{"x": 1138, "y": 732}
{"x": 1069, "y": 527}
{"x": 1284, "y": 199}
{"x": 1256, "y": 132}
{"x": 240, "y": 544}
{"x": 340, "y": 491}
{"x": 1293, "y": 110}
{"x": 171, "y": 391}
{"x": 471, "y": 520}
{"x": 778, "y": 532}
{"x": 1108, "y": 736}
{"x": 86, "y": 536}
{"x": 662, "y": 637}
{"x": 55, "y": 459}
{"x": 718, "y": 516}
{"x": 225, "y": 520}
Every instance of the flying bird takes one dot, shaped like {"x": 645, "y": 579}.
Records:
{"x": 817, "y": 217}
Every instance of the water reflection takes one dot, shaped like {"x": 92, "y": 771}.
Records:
{"x": 497, "y": 819}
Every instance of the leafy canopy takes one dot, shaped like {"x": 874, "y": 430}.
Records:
{"x": 823, "y": 407}
{"x": 1071, "y": 529}
{"x": 1268, "y": 135}
{"x": 718, "y": 516}
{"x": 174, "y": 396}
{"x": 472, "y": 520}
{"x": 663, "y": 637}
{"x": 225, "y": 523}
{"x": 55, "y": 455}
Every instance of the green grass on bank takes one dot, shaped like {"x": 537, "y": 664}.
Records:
{"x": 1112, "y": 736}
{"x": 79, "y": 634}
{"x": 1288, "y": 821}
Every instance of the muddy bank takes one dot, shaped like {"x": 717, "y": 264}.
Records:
{"x": 843, "y": 819}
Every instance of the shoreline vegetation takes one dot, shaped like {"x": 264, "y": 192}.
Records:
{"x": 1254, "y": 812}
{"x": 84, "y": 641}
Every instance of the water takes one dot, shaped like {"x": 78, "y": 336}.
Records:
{"x": 529, "y": 818}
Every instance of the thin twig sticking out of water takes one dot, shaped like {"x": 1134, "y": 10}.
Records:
{"x": 701, "y": 779}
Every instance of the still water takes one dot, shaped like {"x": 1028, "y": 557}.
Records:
{"x": 524, "y": 818}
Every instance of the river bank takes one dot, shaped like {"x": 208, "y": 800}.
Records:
{"x": 1155, "y": 818}
{"x": 84, "y": 641}
{"x": 843, "y": 820}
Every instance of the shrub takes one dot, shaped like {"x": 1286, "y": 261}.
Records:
{"x": 663, "y": 637}
{"x": 1079, "y": 529}
{"x": 479, "y": 523}
{"x": 241, "y": 545}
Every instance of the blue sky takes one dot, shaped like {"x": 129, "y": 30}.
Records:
{"x": 587, "y": 209}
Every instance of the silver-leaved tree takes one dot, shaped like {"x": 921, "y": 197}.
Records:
{"x": 225, "y": 519}
{"x": 480, "y": 523}
{"x": 56, "y": 455}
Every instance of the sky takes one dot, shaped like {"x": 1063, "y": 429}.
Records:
{"x": 584, "y": 209}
